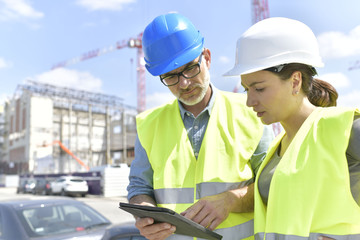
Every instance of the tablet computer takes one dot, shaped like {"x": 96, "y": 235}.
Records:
{"x": 184, "y": 226}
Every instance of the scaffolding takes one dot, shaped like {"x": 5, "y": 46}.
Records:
{"x": 97, "y": 128}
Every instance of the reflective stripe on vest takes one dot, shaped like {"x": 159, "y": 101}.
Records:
{"x": 312, "y": 236}
{"x": 243, "y": 231}
{"x": 186, "y": 195}
{"x": 231, "y": 137}
{"x": 310, "y": 192}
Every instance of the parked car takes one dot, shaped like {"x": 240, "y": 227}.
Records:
{"x": 26, "y": 186}
{"x": 59, "y": 218}
{"x": 21, "y": 186}
{"x": 29, "y": 186}
{"x": 69, "y": 185}
{"x": 42, "y": 187}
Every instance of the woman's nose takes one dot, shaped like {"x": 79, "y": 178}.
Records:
{"x": 250, "y": 101}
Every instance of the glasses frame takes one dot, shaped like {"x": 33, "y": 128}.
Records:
{"x": 276, "y": 69}
{"x": 162, "y": 79}
{"x": 279, "y": 68}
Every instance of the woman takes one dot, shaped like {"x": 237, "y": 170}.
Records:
{"x": 308, "y": 186}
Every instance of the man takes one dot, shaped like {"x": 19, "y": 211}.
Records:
{"x": 192, "y": 155}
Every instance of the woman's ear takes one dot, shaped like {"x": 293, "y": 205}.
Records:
{"x": 296, "y": 79}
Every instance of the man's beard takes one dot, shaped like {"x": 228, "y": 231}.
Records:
{"x": 204, "y": 88}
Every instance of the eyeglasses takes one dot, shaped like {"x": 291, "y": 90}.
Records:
{"x": 189, "y": 72}
{"x": 275, "y": 69}
{"x": 279, "y": 68}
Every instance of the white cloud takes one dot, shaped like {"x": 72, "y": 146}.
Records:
{"x": 224, "y": 59}
{"x": 3, "y": 98}
{"x": 103, "y": 21}
{"x": 15, "y": 9}
{"x": 70, "y": 78}
{"x": 94, "y": 5}
{"x": 338, "y": 44}
{"x": 158, "y": 99}
{"x": 4, "y": 63}
{"x": 338, "y": 80}
{"x": 351, "y": 99}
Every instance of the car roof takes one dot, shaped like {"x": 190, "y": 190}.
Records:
{"x": 39, "y": 202}
{"x": 72, "y": 177}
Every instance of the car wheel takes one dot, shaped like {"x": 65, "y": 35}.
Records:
{"x": 63, "y": 192}
{"x": 83, "y": 195}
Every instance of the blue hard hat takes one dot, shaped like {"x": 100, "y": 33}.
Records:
{"x": 170, "y": 41}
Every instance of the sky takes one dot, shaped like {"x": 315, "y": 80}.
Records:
{"x": 35, "y": 35}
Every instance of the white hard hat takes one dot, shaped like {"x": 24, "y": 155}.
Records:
{"x": 275, "y": 41}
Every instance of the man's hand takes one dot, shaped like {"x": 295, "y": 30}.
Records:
{"x": 151, "y": 231}
{"x": 212, "y": 210}
{"x": 146, "y": 226}
{"x": 325, "y": 238}
{"x": 209, "y": 211}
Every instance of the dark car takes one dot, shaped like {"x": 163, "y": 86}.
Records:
{"x": 26, "y": 185}
{"x": 59, "y": 218}
{"x": 42, "y": 187}
{"x": 21, "y": 186}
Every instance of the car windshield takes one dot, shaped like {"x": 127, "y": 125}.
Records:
{"x": 59, "y": 219}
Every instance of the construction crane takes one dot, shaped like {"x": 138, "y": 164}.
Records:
{"x": 260, "y": 11}
{"x": 140, "y": 69}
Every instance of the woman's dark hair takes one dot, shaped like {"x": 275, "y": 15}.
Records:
{"x": 319, "y": 92}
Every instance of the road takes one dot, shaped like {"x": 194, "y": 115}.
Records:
{"x": 108, "y": 206}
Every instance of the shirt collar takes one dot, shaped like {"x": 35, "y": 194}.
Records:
{"x": 208, "y": 108}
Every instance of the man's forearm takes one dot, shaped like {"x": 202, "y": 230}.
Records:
{"x": 143, "y": 200}
{"x": 242, "y": 199}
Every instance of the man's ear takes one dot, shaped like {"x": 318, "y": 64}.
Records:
{"x": 207, "y": 57}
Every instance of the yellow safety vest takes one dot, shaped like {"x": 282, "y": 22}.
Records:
{"x": 231, "y": 137}
{"x": 310, "y": 192}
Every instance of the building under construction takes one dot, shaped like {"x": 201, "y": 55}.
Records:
{"x": 51, "y": 129}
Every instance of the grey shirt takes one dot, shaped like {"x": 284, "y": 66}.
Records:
{"x": 141, "y": 173}
{"x": 353, "y": 159}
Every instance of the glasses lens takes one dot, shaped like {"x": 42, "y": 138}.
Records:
{"x": 170, "y": 80}
{"x": 191, "y": 71}
{"x": 188, "y": 72}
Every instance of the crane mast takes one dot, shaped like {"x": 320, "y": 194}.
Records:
{"x": 260, "y": 11}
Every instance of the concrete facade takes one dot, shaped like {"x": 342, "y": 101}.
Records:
{"x": 44, "y": 134}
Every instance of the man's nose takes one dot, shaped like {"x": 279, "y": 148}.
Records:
{"x": 184, "y": 82}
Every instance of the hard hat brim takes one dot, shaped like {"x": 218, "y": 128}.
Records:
{"x": 243, "y": 69}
